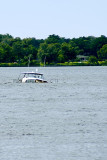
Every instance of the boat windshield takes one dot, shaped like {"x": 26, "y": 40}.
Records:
{"x": 33, "y": 75}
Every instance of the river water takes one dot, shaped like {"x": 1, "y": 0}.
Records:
{"x": 62, "y": 120}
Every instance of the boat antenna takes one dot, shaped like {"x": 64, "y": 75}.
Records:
{"x": 36, "y": 70}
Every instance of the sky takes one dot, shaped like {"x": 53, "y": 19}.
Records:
{"x": 65, "y": 18}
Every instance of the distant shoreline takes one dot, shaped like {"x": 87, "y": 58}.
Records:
{"x": 100, "y": 63}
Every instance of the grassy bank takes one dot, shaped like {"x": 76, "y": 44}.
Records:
{"x": 85, "y": 63}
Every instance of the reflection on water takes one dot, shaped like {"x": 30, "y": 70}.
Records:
{"x": 62, "y": 120}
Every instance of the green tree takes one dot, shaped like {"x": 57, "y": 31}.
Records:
{"x": 93, "y": 60}
{"x": 53, "y": 39}
{"x": 30, "y": 50}
{"x": 97, "y": 44}
{"x": 31, "y": 41}
{"x": 5, "y": 38}
{"x": 17, "y": 50}
{"x": 48, "y": 52}
{"x": 42, "y": 52}
{"x": 102, "y": 53}
{"x": 5, "y": 53}
{"x": 60, "y": 57}
{"x": 84, "y": 44}
{"x": 68, "y": 51}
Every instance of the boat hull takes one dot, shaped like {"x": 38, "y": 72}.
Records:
{"x": 33, "y": 81}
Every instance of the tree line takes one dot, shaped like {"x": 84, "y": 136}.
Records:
{"x": 53, "y": 49}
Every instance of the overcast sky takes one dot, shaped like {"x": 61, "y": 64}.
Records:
{"x": 41, "y": 18}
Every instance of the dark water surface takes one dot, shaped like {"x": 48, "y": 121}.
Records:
{"x": 62, "y": 120}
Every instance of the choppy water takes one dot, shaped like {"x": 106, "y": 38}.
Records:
{"x": 63, "y": 120}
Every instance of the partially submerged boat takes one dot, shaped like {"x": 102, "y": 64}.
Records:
{"x": 33, "y": 77}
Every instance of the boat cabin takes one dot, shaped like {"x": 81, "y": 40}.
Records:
{"x": 32, "y": 77}
{"x": 32, "y": 74}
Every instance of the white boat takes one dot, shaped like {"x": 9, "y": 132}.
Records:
{"x": 34, "y": 77}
